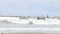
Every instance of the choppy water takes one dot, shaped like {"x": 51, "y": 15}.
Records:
{"x": 11, "y": 27}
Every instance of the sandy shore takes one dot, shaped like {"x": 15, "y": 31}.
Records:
{"x": 26, "y": 33}
{"x": 31, "y": 33}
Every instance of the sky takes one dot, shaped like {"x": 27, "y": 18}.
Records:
{"x": 30, "y": 7}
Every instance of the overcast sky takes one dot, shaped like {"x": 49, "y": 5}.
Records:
{"x": 30, "y": 7}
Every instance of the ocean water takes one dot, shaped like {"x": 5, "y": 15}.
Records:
{"x": 13, "y": 27}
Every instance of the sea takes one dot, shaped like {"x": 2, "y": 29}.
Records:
{"x": 14, "y": 28}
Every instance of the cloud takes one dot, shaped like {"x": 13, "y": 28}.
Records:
{"x": 29, "y": 7}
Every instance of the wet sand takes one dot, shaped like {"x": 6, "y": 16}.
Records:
{"x": 26, "y": 33}
{"x": 31, "y": 33}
